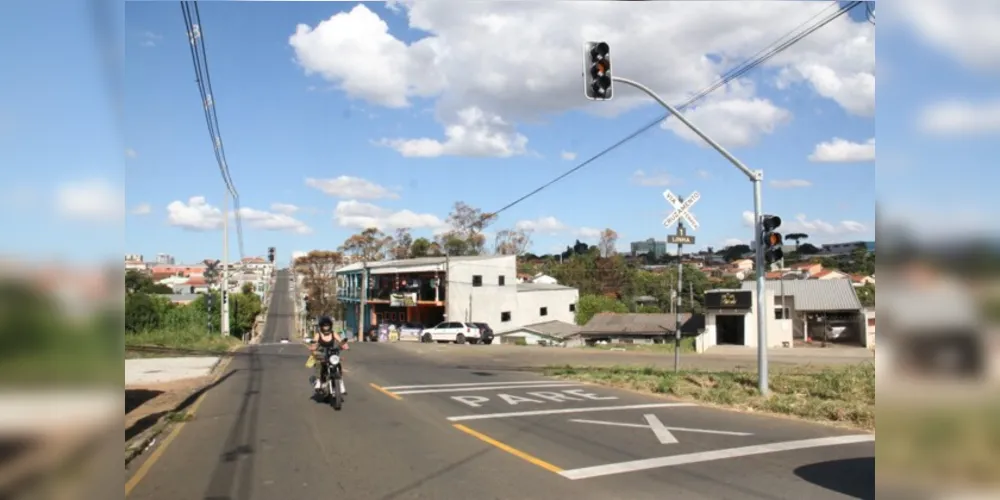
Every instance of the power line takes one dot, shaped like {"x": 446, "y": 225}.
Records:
{"x": 199, "y": 59}
{"x": 870, "y": 12}
{"x": 758, "y": 59}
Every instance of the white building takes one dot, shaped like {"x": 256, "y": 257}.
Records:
{"x": 165, "y": 259}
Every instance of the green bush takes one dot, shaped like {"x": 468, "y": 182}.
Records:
{"x": 152, "y": 317}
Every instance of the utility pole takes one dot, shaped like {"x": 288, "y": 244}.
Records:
{"x": 224, "y": 289}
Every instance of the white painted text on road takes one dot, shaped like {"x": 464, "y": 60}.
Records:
{"x": 535, "y": 397}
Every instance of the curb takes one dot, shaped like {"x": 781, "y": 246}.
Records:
{"x": 147, "y": 438}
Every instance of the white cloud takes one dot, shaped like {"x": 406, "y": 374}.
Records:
{"x": 588, "y": 233}
{"x": 361, "y": 215}
{"x": 131, "y": 153}
{"x": 816, "y": 226}
{"x": 150, "y": 39}
{"x": 961, "y": 118}
{"x": 267, "y": 221}
{"x": 704, "y": 174}
{"x": 748, "y": 219}
{"x": 346, "y": 186}
{"x": 733, "y": 242}
{"x": 198, "y": 215}
{"x": 843, "y": 151}
{"x": 568, "y": 155}
{"x": 142, "y": 209}
{"x": 790, "y": 183}
{"x": 466, "y": 61}
{"x": 543, "y": 225}
{"x": 641, "y": 178}
{"x": 733, "y": 118}
{"x": 284, "y": 208}
{"x": 94, "y": 200}
{"x": 473, "y": 133}
{"x": 966, "y": 30}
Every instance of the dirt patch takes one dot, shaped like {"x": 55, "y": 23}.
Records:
{"x": 144, "y": 405}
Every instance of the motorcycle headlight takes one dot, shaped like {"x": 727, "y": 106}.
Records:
{"x": 334, "y": 359}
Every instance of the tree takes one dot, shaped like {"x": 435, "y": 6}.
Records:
{"x": 512, "y": 242}
{"x": 590, "y": 305}
{"x": 401, "y": 244}
{"x": 318, "y": 268}
{"x": 211, "y": 272}
{"x": 248, "y": 289}
{"x": 421, "y": 247}
{"x": 735, "y": 252}
{"x": 807, "y": 249}
{"x": 367, "y": 246}
{"x": 797, "y": 238}
{"x": 866, "y": 294}
{"x": 467, "y": 224}
{"x": 136, "y": 281}
{"x": 609, "y": 238}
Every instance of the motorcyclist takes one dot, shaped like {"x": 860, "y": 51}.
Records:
{"x": 326, "y": 340}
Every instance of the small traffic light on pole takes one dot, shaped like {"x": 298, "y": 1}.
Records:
{"x": 770, "y": 239}
{"x": 270, "y": 255}
{"x": 597, "y": 71}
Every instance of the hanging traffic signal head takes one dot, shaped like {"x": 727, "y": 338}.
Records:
{"x": 770, "y": 240}
{"x": 597, "y": 71}
{"x": 270, "y": 255}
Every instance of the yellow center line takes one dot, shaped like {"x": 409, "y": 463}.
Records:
{"x": 385, "y": 391}
{"x": 509, "y": 449}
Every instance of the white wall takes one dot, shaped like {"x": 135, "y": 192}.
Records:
{"x": 468, "y": 303}
{"x": 529, "y": 304}
{"x": 778, "y": 331}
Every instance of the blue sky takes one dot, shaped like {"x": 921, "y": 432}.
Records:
{"x": 281, "y": 126}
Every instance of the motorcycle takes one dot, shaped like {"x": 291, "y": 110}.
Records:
{"x": 331, "y": 390}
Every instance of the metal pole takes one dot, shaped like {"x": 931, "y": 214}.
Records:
{"x": 755, "y": 177}
{"x": 223, "y": 290}
{"x": 677, "y": 310}
{"x": 762, "y": 372}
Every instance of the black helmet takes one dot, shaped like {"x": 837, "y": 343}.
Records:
{"x": 325, "y": 321}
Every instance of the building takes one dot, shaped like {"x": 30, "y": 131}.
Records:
{"x": 634, "y": 328}
{"x": 799, "y": 310}
{"x": 845, "y": 249}
{"x": 429, "y": 290}
{"x": 553, "y": 333}
{"x": 165, "y": 259}
{"x": 651, "y": 246}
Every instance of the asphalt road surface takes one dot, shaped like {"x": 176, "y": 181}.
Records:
{"x": 413, "y": 428}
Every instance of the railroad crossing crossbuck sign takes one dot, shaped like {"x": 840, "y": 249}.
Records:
{"x": 681, "y": 209}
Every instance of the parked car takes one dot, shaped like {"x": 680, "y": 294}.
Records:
{"x": 486, "y": 333}
{"x": 451, "y": 331}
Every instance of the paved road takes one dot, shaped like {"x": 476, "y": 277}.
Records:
{"x": 431, "y": 431}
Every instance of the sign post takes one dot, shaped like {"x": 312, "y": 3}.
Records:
{"x": 682, "y": 209}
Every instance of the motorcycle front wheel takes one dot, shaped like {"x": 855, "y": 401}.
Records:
{"x": 338, "y": 397}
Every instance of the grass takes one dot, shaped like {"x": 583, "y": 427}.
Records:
{"x": 193, "y": 339}
{"x": 841, "y": 395}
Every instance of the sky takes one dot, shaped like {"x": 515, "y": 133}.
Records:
{"x": 338, "y": 116}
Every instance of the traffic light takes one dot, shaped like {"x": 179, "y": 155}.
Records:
{"x": 597, "y": 71}
{"x": 270, "y": 255}
{"x": 771, "y": 240}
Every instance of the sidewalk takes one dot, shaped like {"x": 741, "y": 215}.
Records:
{"x": 145, "y": 371}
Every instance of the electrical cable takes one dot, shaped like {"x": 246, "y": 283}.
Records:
{"x": 733, "y": 74}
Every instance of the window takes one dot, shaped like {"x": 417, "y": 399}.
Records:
{"x": 778, "y": 313}
{"x": 502, "y": 280}
{"x": 543, "y": 311}
{"x": 505, "y": 317}
{"x": 477, "y": 280}
{"x": 572, "y": 308}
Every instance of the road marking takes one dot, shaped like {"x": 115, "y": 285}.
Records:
{"x": 663, "y": 435}
{"x": 143, "y": 469}
{"x": 510, "y": 449}
{"x": 531, "y": 413}
{"x": 490, "y": 388}
{"x": 467, "y": 384}
{"x": 678, "y": 429}
{"x": 707, "y": 456}
{"x": 385, "y": 391}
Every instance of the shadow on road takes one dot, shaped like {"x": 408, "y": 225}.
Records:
{"x": 148, "y": 421}
{"x": 854, "y": 477}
